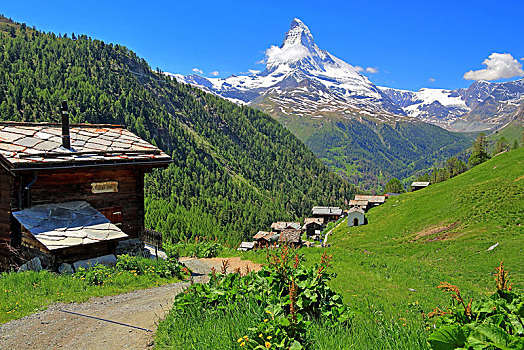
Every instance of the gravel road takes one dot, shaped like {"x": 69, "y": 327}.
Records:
{"x": 54, "y": 329}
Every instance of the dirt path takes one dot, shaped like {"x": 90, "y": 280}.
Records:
{"x": 53, "y": 329}
{"x": 330, "y": 231}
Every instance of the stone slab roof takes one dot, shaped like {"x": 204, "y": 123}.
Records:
{"x": 370, "y": 199}
{"x": 290, "y": 236}
{"x": 420, "y": 184}
{"x": 263, "y": 235}
{"x": 308, "y": 221}
{"x": 39, "y": 145}
{"x": 244, "y": 246}
{"x": 327, "y": 211}
{"x": 64, "y": 225}
{"x": 355, "y": 210}
{"x": 282, "y": 225}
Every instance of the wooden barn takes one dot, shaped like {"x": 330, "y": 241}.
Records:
{"x": 264, "y": 239}
{"x": 373, "y": 201}
{"x": 70, "y": 192}
{"x": 278, "y": 226}
{"x": 313, "y": 227}
{"x": 327, "y": 213}
{"x": 291, "y": 237}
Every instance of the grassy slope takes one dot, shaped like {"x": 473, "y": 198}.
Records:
{"x": 511, "y": 132}
{"x": 380, "y": 261}
{"x": 383, "y": 259}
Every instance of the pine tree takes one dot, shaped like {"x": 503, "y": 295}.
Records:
{"x": 480, "y": 153}
{"x": 501, "y": 145}
{"x": 395, "y": 186}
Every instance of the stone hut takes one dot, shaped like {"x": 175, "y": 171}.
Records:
{"x": 356, "y": 217}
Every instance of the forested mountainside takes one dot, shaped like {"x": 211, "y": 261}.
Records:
{"x": 235, "y": 168}
{"x": 369, "y": 153}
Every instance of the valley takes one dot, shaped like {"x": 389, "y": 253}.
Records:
{"x": 244, "y": 154}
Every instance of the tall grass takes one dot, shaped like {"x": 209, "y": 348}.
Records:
{"x": 198, "y": 328}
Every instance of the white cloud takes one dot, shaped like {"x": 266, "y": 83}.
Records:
{"x": 253, "y": 71}
{"x": 358, "y": 68}
{"x": 287, "y": 54}
{"x": 196, "y": 70}
{"x": 214, "y": 73}
{"x": 372, "y": 70}
{"x": 431, "y": 79}
{"x": 498, "y": 66}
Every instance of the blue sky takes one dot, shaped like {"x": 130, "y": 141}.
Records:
{"x": 411, "y": 44}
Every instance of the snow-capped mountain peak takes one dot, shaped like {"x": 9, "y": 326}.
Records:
{"x": 299, "y": 62}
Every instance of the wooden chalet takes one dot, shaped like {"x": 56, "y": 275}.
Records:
{"x": 418, "y": 185}
{"x": 70, "y": 192}
{"x": 283, "y": 225}
{"x": 313, "y": 227}
{"x": 291, "y": 237}
{"x": 327, "y": 213}
{"x": 373, "y": 201}
{"x": 264, "y": 239}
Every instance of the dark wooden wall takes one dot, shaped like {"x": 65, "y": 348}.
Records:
{"x": 5, "y": 213}
{"x": 124, "y": 208}
{"x": 60, "y": 186}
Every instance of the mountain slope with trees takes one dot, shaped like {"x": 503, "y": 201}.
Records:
{"x": 235, "y": 168}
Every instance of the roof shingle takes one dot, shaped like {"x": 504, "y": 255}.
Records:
{"x": 29, "y": 145}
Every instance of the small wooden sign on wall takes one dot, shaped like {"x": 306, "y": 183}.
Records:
{"x": 104, "y": 187}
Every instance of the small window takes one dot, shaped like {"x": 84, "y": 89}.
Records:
{"x": 113, "y": 214}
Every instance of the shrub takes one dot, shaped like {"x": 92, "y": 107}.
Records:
{"x": 290, "y": 294}
{"x": 494, "y": 323}
{"x": 141, "y": 266}
{"x": 199, "y": 249}
{"x": 96, "y": 275}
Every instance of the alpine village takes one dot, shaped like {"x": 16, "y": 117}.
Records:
{"x": 299, "y": 205}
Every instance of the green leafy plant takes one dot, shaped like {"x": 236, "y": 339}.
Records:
{"x": 494, "y": 323}
{"x": 291, "y": 294}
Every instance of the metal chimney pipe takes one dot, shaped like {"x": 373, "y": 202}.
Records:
{"x": 66, "y": 138}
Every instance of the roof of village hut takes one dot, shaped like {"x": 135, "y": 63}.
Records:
{"x": 290, "y": 236}
{"x": 355, "y": 210}
{"x": 39, "y": 145}
{"x": 64, "y": 225}
{"x": 353, "y": 202}
{"x": 244, "y": 246}
{"x": 282, "y": 225}
{"x": 319, "y": 221}
{"x": 263, "y": 235}
{"x": 419, "y": 184}
{"x": 327, "y": 211}
{"x": 370, "y": 199}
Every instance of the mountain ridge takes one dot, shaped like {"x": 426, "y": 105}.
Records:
{"x": 338, "y": 87}
{"x": 350, "y": 123}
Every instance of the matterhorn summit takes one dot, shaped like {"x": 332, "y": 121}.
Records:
{"x": 302, "y": 80}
